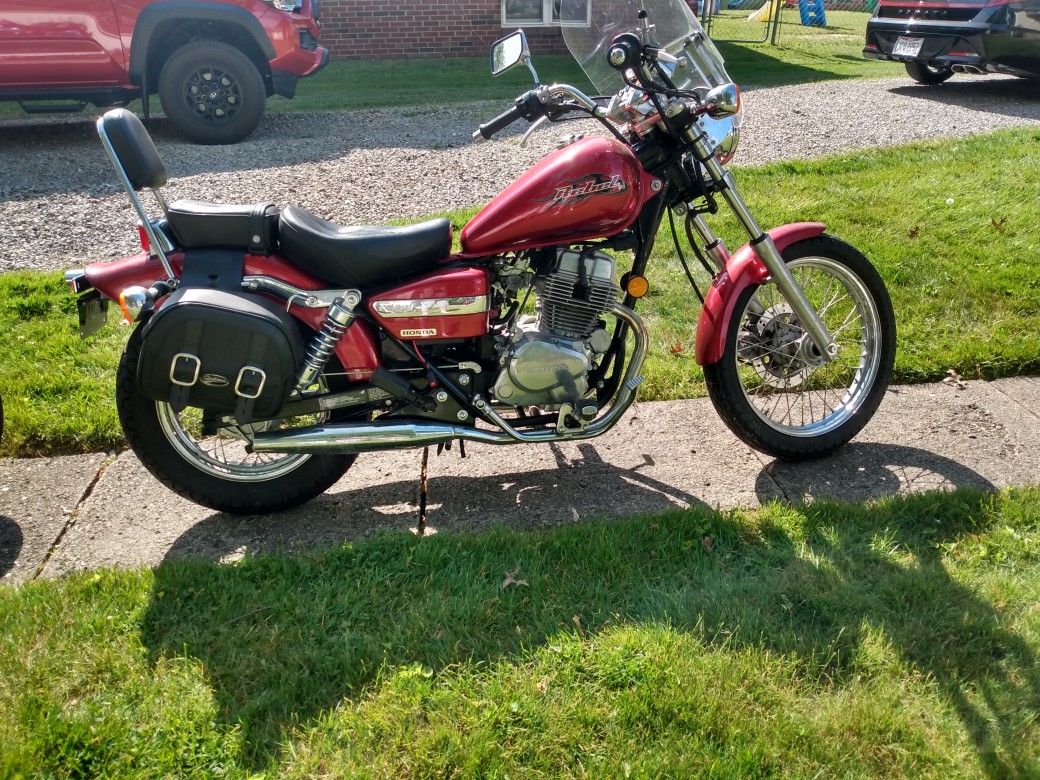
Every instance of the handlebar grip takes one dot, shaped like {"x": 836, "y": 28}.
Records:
{"x": 500, "y": 122}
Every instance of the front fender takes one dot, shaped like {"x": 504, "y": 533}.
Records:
{"x": 743, "y": 269}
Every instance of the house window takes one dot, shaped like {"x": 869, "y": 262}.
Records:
{"x": 545, "y": 13}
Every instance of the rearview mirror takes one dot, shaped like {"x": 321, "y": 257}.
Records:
{"x": 509, "y": 52}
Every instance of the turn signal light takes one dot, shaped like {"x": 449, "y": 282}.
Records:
{"x": 132, "y": 302}
{"x": 637, "y": 286}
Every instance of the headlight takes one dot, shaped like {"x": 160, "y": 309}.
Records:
{"x": 287, "y": 5}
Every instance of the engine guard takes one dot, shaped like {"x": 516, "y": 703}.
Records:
{"x": 743, "y": 269}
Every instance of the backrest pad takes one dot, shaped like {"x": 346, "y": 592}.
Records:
{"x": 134, "y": 148}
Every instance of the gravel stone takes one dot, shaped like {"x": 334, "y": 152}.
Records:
{"x": 60, "y": 204}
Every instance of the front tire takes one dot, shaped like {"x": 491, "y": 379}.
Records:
{"x": 215, "y": 471}
{"x": 212, "y": 93}
{"x": 923, "y": 73}
{"x": 769, "y": 387}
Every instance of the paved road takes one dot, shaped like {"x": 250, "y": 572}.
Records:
{"x": 66, "y": 514}
{"x": 60, "y": 204}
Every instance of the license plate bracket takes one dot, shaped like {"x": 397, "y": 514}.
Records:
{"x": 907, "y": 46}
{"x": 93, "y": 312}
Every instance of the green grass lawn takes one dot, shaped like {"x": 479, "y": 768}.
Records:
{"x": 897, "y": 639}
{"x": 962, "y": 275}
{"x": 804, "y": 54}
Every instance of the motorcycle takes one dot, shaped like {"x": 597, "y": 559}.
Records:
{"x": 272, "y": 347}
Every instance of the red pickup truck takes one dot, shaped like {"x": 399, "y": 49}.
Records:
{"x": 213, "y": 63}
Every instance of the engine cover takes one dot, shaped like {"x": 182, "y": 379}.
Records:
{"x": 542, "y": 371}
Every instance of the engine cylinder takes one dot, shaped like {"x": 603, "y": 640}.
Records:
{"x": 573, "y": 296}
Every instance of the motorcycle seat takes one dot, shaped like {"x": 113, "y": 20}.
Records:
{"x": 195, "y": 224}
{"x": 360, "y": 256}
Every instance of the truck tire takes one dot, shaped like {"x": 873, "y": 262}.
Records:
{"x": 212, "y": 93}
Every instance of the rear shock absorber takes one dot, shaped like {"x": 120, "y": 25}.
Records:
{"x": 338, "y": 319}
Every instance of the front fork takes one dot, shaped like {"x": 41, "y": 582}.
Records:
{"x": 763, "y": 246}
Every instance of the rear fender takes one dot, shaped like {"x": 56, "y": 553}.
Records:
{"x": 743, "y": 269}
{"x": 358, "y": 350}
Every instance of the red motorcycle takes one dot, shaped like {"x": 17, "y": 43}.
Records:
{"x": 272, "y": 346}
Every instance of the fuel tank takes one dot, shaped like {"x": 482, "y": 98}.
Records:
{"x": 591, "y": 189}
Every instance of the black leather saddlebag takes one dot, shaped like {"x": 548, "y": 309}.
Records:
{"x": 220, "y": 351}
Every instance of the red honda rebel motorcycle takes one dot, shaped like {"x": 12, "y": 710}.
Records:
{"x": 272, "y": 347}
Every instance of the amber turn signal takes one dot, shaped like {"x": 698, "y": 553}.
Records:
{"x": 637, "y": 286}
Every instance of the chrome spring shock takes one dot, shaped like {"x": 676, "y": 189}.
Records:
{"x": 338, "y": 319}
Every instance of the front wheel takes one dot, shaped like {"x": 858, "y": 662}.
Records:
{"x": 214, "y": 468}
{"x": 771, "y": 388}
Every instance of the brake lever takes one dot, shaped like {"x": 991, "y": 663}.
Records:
{"x": 534, "y": 126}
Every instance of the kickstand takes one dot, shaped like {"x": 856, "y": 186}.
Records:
{"x": 424, "y": 492}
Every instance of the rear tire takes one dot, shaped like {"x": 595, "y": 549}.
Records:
{"x": 762, "y": 372}
{"x": 150, "y": 427}
{"x": 212, "y": 93}
{"x": 923, "y": 73}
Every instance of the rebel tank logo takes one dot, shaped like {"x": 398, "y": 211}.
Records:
{"x": 584, "y": 188}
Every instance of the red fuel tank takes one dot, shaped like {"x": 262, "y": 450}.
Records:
{"x": 591, "y": 189}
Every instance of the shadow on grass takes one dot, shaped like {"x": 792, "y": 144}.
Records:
{"x": 755, "y": 67}
{"x": 285, "y": 638}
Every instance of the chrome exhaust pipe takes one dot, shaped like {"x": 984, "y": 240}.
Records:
{"x": 973, "y": 69}
{"x": 355, "y": 438}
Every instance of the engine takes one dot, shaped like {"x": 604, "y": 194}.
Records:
{"x": 547, "y": 358}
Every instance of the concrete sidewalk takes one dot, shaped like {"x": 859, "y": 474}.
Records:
{"x": 59, "y": 515}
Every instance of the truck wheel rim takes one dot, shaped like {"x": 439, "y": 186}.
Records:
{"x": 792, "y": 393}
{"x": 213, "y": 95}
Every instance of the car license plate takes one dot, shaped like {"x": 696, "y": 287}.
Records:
{"x": 93, "y": 311}
{"x": 907, "y": 47}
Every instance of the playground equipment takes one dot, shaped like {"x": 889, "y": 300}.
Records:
{"x": 812, "y": 13}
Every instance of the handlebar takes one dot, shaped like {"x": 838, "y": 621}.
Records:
{"x": 500, "y": 122}
{"x": 537, "y": 103}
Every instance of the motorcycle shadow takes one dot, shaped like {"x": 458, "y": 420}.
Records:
{"x": 577, "y": 489}
{"x": 11, "y": 541}
{"x": 285, "y": 639}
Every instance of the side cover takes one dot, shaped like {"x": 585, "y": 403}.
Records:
{"x": 450, "y": 304}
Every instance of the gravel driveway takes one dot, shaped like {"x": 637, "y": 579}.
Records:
{"x": 60, "y": 204}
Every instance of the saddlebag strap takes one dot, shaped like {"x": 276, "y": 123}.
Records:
{"x": 185, "y": 368}
{"x": 259, "y": 230}
{"x": 249, "y": 383}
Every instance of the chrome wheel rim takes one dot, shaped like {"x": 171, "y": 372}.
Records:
{"x": 787, "y": 386}
{"x": 223, "y": 455}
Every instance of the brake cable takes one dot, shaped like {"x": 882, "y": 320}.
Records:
{"x": 682, "y": 259}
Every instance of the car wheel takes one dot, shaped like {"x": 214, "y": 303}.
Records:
{"x": 923, "y": 73}
{"x": 212, "y": 93}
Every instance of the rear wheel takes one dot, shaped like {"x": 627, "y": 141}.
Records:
{"x": 923, "y": 73}
{"x": 215, "y": 469}
{"x": 770, "y": 387}
{"x": 212, "y": 92}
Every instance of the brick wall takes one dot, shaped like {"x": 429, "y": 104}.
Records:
{"x": 354, "y": 29}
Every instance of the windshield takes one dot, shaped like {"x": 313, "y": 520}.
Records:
{"x": 589, "y": 32}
